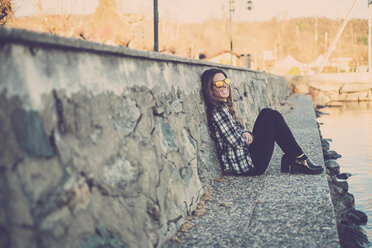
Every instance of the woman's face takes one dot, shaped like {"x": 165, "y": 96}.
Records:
{"x": 222, "y": 92}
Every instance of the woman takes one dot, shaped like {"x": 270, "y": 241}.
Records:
{"x": 242, "y": 152}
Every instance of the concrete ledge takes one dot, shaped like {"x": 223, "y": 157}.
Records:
{"x": 45, "y": 39}
{"x": 275, "y": 209}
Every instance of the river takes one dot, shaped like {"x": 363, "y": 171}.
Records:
{"x": 350, "y": 128}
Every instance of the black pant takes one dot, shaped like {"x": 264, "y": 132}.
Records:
{"x": 271, "y": 127}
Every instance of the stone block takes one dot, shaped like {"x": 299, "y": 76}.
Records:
{"x": 21, "y": 237}
{"x": 168, "y": 134}
{"x": 16, "y": 204}
{"x": 176, "y": 107}
{"x": 126, "y": 117}
{"x": 352, "y": 236}
{"x": 64, "y": 151}
{"x": 56, "y": 223}
{"x": 331, "y": 155}
{"x": 188, "y": 146}
{"x": 146, "y": 124}
{"x": 103, "y": 238}
{"x": 325, "y": 145}
{"x": 118, "y": 175}
{"x": 333, "y": 166}
{"x": 342, "y": 185}
{"x": 30, "y": 135}
{"x": 82, "y": 225}
{"x": 39, "y": 178}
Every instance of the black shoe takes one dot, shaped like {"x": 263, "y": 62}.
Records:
{"x": 300, "y": 165}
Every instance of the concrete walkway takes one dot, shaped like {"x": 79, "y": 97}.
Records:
{"x": 272, "y": 210}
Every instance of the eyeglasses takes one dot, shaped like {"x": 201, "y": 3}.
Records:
{"x": 219, "y": 83}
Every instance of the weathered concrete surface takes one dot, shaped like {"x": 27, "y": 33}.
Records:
{"x": 275, "y": 209}
{"x": 102, "y": 145}
{"x": 334, "y": 87}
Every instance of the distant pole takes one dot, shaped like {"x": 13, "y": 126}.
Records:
{"x": 316, "y": 37}
{"x": 369, "y": 34}
{"x": 338, "y": 35}
{"x": 156, "y": 21}
{"x": 231, "y": 10}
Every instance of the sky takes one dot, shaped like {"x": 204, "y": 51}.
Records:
{"x": 201, "y": 10}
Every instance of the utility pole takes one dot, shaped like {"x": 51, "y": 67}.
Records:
{"x": 369, "y": 34}
{"x": 156, "y": 22}
{"x": 338, "y": 35}
{"x": 316, "y": 37}
{"x": 231, "y": 10}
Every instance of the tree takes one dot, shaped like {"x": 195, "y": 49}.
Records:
{"x": 6, "y": 8}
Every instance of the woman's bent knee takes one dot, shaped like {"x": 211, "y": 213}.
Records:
{"x": 264, "y": 110}
{"x": 277, "y": 114}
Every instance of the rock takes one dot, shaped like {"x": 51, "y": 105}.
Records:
{"x": 333, "y": 167}
{"x": 344, "y": 175}
{"x": 126, "y": 118}
{"x": 168, "y": 137}
{"x": 29, "y": 131}
{"x": 188, "y": 146}
{"x": 347, "y": 200}
{"x": 338, "y": 190}
{"x": 352, "y": 236}
{"x": 118, "y": 175}
{"x": 17, "y": 209}
{"x": 331, "y": 155}
{"x": 21, "y": 236}
{"x": 341, "y": 186}
{"x": 103, "y": 238}
{"x": 40, "y": 178}
{"x": 57, "y": 222}
{"x": 176, "y": 106}
{"x": 64, "y": 151}
{"x": 356, "y": 217}
{"x": 320, "y": 98}
{"x": 325, "y": 145}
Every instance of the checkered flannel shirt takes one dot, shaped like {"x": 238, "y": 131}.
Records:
{"x": 232, "y": 149}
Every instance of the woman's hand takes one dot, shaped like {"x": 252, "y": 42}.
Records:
{"x": 248, "y": 138}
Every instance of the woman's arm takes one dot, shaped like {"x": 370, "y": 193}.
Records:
{"x": 225, "y": 124}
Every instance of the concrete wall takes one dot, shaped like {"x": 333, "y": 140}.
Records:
{"x": 326, "y": 88}
{"x": 103, "y": 145}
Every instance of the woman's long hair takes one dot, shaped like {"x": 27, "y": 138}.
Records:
{"x": 212, "y": 101}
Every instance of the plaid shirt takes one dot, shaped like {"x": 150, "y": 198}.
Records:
{"x": 231, "y": 146}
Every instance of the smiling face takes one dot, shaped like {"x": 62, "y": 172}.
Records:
{"x": 222, "y": 92}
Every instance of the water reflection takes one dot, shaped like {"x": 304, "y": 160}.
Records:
{"x": 350, "y": 128}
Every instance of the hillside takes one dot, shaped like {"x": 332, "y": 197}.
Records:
{"x": 283, "y": 37}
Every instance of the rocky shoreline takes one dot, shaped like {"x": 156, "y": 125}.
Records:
{"x": 348, "y": 218}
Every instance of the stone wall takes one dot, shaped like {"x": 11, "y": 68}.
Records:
{"x": 103, "y": 145}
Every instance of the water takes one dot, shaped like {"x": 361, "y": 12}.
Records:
{"x": 350, "y": 128}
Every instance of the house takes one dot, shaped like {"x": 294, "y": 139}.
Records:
{"x": 222, "y": 57}
{"x": 285, "y": 65}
